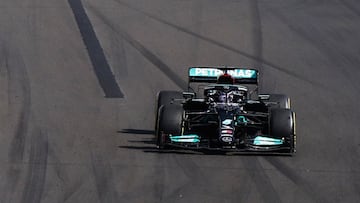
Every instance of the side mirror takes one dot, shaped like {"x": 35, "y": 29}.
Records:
{"x": 188, "y": 95}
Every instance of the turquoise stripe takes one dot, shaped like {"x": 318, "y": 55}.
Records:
{"x": 185, "y": 138}
{"x": 259, "y": 140}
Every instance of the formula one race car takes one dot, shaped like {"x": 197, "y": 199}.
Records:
{"x": 220, "y": 114}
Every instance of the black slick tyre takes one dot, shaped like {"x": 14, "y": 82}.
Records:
{"x": 282, "y": 101}
{"x": 169, "y": 122}
{"x": 282, "y": 125}
{"x": 165, "y": 97}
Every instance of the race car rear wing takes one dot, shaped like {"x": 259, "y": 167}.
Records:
{"x": 211, "y": 74}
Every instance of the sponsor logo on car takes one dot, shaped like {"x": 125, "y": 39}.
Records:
{"x": 214, "y": 72}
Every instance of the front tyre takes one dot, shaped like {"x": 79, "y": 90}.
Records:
{"x": 282, "y": 125}
{"x": 165, "y": 97}
{"x": 169, "y": 122}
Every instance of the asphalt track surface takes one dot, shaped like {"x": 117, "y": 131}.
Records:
{"x": 78, "y": 80}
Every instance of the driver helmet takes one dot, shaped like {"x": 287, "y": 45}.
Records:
{"x": 225, "y": 79}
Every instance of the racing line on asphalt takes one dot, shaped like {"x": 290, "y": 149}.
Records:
{"x": 156, "y": 61}
{"x": 95, "y": 51}
{"x": 224, "y": 46}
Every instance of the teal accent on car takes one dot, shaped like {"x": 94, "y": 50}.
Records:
{"x": 192, "y": 138}
{"x": 237, "y": 73}
{"x": 227, "y": 122}
{"x": 261, "y": 140}
{"x": 242, "y": 119}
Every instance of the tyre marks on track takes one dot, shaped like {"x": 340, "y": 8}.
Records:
{"x": 159, "y": 184}
{"x": 350, "y": 7}
{"x": 103, "y": 175}
{"x": 262, "y": 182}
{"x": 219, "y": 44}
{"x": 96, "y": 53}
{"x": 19, "y": 97}
{"x": 257, "y": 39}
{"x": 36, "y": 174}
{"x": 197, "y": 15}
{"x": 155, "y": 60}
{"x": 19, "y": 101}
{"x": 69, "y": 184}
{"x": 256, "y": 32}
{"x": 354, "y": 8}
{"x": 254, "y": 169}
{"x": 310, "y": 34}
{"x": 196, "y": 180}
{"x": 217, "y": 183}
{"x": 304, "y": 185}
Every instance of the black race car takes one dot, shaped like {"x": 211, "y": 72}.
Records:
{"x": 218, "y": 112}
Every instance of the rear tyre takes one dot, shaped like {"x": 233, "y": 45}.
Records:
{"x": 282, "y": 100}
{"x": 282, "y": 125}
{"x": 167, "y": 96}
{"x": 169, "y": 122}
